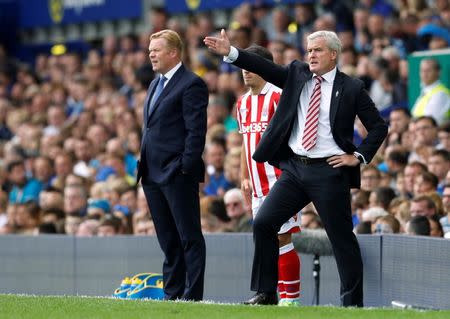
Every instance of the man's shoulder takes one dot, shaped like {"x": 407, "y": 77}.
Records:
{"x": 351, "y": 80}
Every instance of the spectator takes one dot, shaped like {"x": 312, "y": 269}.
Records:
{"x": 109, "y": 226}
{"x": 435, "y": 227}
{"x": 439, "y": 164}
{"x": 444, "y": 136}
{"x": 386, "y": 225}
{"x": 75, "y": 200}
{"x": 425, "y": 183}
{"x": 418, "y": 226}
{"x": 381, "y": 197}
{"x": 411, "y": 171}
{"x": 88, "y": 228}
{"x": 310, "y": 220}
{"x": 422, "y": 206}
{"x": 445, "y": 220}
{"x": 370, "y": 178}
{"x": 215, "y": 157}
{"x": 434, "y": 99}
{"x": 237, "y": 211}
{"x": 23, "y": 189}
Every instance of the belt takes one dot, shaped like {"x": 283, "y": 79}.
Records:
{"x": 308, "y": 160}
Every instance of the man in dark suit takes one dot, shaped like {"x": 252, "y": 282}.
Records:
{"x": 310, "y": 139}
{"x": 171, "y": 165}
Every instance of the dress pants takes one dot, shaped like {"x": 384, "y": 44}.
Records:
{"x": 328, "y": 188}
{"x": 175, "y": 210}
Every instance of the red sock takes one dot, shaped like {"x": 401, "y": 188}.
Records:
{"x": 288, "y": 273}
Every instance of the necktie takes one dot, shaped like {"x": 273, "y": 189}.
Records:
{"x": 157, "y": 93}
{"x": 312, "y": 117}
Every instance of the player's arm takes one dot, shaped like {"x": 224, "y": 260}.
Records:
{"x": 246, "y": 185}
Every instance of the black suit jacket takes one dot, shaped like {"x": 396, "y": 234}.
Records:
{"x": 348, "y": 100}
{"x": 173, "y": 136}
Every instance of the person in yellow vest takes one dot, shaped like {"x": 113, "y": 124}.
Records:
{"x": 434, "y": 99}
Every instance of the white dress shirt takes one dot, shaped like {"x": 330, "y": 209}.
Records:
{"x": 170, "y": 74}
{"x": 325, "y": 144}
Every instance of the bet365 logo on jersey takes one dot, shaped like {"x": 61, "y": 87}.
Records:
{"x": 259, "y": 127}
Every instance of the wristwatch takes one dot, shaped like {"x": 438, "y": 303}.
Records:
{"x": 359, "y": 157}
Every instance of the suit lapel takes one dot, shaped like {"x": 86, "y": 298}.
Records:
{"x": 170, "y": 85}
{"x": 151, "y": 89}
{"x": 336, "y": 96}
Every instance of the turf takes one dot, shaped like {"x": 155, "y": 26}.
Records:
{"x": 46, "y": 307}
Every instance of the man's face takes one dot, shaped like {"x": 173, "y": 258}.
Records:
{"x": 17, "y": 175}
{"x": 370, "y": 179}
{"x": 251, "y": 79}
{"x": 161, "y": 55}
{"x": 398, "y": 121}
{"x": 421, "y": 209}
{"x": 438, "y": 166}
{"x": 425, "y": 132}
{"x": 235, "y": 207}
{"x": 410, "y": 174}
{"x": 446, "y": 199}
{"x": 216, "y": 156}
{"x": 321, "y": 59}
{"x": 428, "y": 73}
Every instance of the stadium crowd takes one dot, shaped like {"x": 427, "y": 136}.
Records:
{"x": 70, "y": 125}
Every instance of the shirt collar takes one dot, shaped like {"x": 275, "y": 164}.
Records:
{"x": 171, "y": 72}
{"x": 329, "y": 76}
{"x": 428, "y": 88}
{"x": 266, "y": 88}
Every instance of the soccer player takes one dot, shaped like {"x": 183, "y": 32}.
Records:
{"x": 254, "y": 111}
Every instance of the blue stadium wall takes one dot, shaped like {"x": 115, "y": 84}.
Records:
{"x": 412, "y": 270}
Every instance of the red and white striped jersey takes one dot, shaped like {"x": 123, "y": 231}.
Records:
{"x": 254, "y": 113}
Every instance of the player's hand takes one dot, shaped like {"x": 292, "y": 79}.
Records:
{"x": 219, "y": 45}
{"x": 246, "y": 189}
{"x": 343, "y": 160}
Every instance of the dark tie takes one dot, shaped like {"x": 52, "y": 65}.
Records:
{"x": 157, "y": 93}
{"x": 312, "y": 117}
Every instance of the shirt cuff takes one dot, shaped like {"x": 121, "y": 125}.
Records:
{"x": 359, "y": 154}
{"x": 232, "y": 56}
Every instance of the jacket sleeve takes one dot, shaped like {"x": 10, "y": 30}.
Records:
{"x": 376, "y": 127}
{"x": 269, "y": 71}
{"x": 195, "y": 101}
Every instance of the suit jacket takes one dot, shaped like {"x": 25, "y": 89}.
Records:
{"x": 348, "y": 100}
{"x": 173, "y": 136}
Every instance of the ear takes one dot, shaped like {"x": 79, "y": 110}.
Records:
{"x": 173, "y": 53}
{"x": 334, "y": 55}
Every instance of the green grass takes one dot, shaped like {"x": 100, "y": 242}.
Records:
{"x": 45, "y": 307}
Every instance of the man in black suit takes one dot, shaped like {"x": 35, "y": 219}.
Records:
{"x": 310, "y": 139}
{"x": 171, "y": 165}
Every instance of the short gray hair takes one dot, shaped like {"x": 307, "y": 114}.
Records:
{"x": 333, "y": 42}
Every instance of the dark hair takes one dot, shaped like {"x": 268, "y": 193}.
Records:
{"x": 261, "y": 51}
{"x": 399, "y": 157}
{"x": 47, "y": 228}
{"x": 429, "y": 118}
{"x": 442, "y": 153}
{"x": 404, "y": 110}
{"x": 364, "y": 228}
{"x": 435, "y": 219}
{"x": 384, "y": 196}
{"x": 13, "y": 164}
{"x": 419, "y": 225}
{"x": 430, "y": 178}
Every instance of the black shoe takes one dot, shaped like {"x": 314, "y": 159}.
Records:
{"x": 263, "y": 298}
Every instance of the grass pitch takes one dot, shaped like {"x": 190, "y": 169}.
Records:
{"x": 46, "y": 307}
